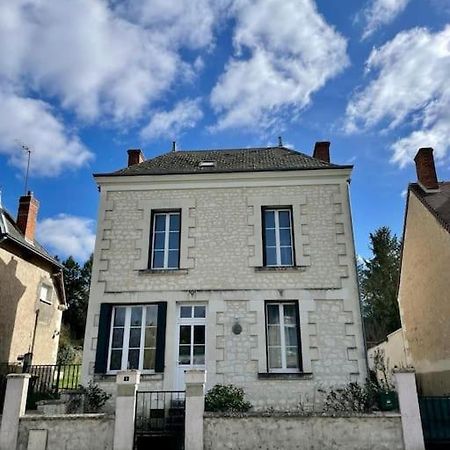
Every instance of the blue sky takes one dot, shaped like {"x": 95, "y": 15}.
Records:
{"x": 82, "y": 81}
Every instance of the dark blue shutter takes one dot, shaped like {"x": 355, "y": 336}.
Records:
{"x": 104, "y": 325}
{"x": 161, "y": 337}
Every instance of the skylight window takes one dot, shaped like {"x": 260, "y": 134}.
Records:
{"x": 207, "y": 164}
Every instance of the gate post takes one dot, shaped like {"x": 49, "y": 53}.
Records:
{"x": 13, "y": 409}
{"x": 405, "y": 381}
{"x": 195, "y": 407}
{"x": 127, "y": 384}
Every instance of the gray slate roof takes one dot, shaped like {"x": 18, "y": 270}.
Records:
{"x": 438, "y": 203}
{"x": 9, "y": 229}
{"x": 227, "y": 160}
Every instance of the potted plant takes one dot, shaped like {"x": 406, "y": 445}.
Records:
{"x": 386, "y": 395}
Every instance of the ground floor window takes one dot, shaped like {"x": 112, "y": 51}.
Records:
{"x": 283, "y": 337}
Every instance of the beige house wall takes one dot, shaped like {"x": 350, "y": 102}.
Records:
{"x": 21, "y": 311}
{"x": 424, "y": 298}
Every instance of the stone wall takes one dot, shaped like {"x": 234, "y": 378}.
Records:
{"x": 66, "y": 432}
{"x": 286, "y": 432}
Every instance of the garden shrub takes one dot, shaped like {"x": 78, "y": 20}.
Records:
{"x": 226, "y": 398}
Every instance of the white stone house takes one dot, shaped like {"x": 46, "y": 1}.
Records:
{"x": 238, "y": 261}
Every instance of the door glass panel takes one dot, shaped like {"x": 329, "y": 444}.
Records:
{"x": 199, "y": 354}
{"x": 133, "y": 359}
{"x": 199, "y": 334}
{"x": 200, "y": 311}
{"x": 186, "y": 311}
{"x": 185, "y": 334}
{"x": 184, "y": 355}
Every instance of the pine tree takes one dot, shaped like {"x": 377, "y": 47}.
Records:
{"x": 378, "y": 277}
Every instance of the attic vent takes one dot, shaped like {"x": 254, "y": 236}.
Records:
{"x": 207, "y": 164}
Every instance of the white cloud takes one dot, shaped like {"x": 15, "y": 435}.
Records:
{"x": 185, "y": 114}
{"x": 410, "y": 87}
{"x": 67, "y": 235}
{"x": 381, "y": 12}
{"x": 33, "y": 122}
{"x": 293, "y": 52}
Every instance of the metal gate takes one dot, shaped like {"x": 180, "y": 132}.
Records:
{"x": 435, "y": 414}
{"x": 159, "y": 420}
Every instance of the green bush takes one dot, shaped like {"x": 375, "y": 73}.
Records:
{"x": 94, "y": 397}
{"x": 226, "y": 398}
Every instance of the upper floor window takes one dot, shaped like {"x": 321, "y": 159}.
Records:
{"x": 165, "y": 252}
{"x": 277, "y": 234}
{"x": 45, "y": 294}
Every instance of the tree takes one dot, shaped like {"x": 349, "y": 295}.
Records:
{"x": 77, "y": 281}
{"x": 378, "y": 278}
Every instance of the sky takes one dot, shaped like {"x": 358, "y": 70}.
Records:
{"x": 82, "y": 81}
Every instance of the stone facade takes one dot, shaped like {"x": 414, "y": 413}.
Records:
{"x": 221, "y": 266}
{"x": 28, "y": 324}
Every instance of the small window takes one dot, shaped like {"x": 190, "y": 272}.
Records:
{"x": 277, "y": 237}
{"x": 45, "y": 294}
{"x": 166, "y": 240}
{"x": 133, "y": 338}
{"x": 207, "y": 164}
{"x": 283, "y": 337}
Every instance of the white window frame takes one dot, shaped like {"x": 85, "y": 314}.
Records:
{"x": 278, "y": 246}
{"x": 126, "y": 337}
{"x": 49, "y": 299}
{"x": 283, "y": 368}
{"x": 167, "y": 215}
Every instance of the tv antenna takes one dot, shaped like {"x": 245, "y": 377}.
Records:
{"x": 26, "y": 149}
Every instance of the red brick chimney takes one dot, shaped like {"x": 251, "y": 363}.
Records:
{"x": 426, "y": 172}
{"x": 135, "y": 156}
{"x": 322, "y": 151}
{"x": 27, "y": 215}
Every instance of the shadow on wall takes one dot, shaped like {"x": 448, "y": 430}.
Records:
{"x": 11, "y": 291}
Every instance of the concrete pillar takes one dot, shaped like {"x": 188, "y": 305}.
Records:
{"x": 195, "y": 407}
{"x": 405, "y": 381}
{"x": 127, "y": 384}
{"x": 13, "y": 409}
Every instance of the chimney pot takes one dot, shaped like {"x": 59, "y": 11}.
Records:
{"x": 27, "y": 215}
{"x": 135, "y": 156}
{"x": 322, "y": 151}
{"x": 426, "y": 171}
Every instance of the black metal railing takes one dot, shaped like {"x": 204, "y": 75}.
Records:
{"x": 435, "y": 414}
{"x": 159, "y": 412}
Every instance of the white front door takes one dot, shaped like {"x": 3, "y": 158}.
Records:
{"x": 191, "y": 341}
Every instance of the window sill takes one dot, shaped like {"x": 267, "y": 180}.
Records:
{"x": 285, "y": 376}
{"x": 281, "y": 269}
{"x": 163, "y": 271}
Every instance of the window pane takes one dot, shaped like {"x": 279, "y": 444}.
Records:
{"x": 173, "y": 259}
{"x": 271, "y": 256}
{"x": 135, "y": 337}
{"x": 199, "y": 311}
{"x": 289, "y": 314}
{"x": 186, "y": 311}
{"x": 273, "y": 315}
{"x": 174, "y": 222}
{"x": 269, "y": 237}
{"x": 291, "y": 357}
{"x": 184, "y": 356}
{"x": 150, "y": 337}
{"x": 151, "y": 315}
{"x": 133, "y": 359}
{"x": 116, "y": 360}
{"x": 185, "y": 334}
{"x": 117, "y": 338}
{"x": 160, "y": 222}
{"x": 269, "y": 220}
{"x": 285, "y": 237}
{"x": 136, "y": 316}
{"x": 149, "y": 359}
{"x": 199, "y": 334}
{"x": 273, "y": 334}
{"x": 119, "y": 317}
{"x": 290, "y": 334}
{"x": 174, "y": 239}
{"x": 158, "y": 259}
{"x": 286, "y": 256}
{"x": 275, "y": 357}
{"x": 284, "y": 219}
{"x": 199, "y": 354}
{"x": 158, "y": 243}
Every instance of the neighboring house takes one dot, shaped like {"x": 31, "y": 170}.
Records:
{"x": 31, "y": 290}
{"x": 240, "y": 262}
{"x": 424, "y": 288}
